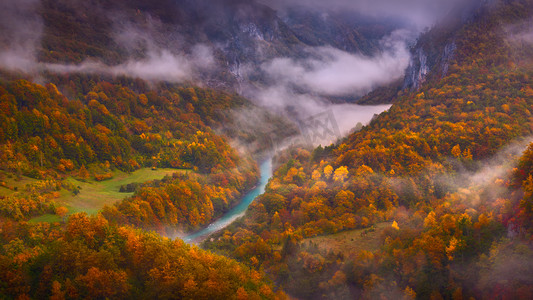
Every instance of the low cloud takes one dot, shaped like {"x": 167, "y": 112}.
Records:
{"x": 21, "y": 29}
{"x": 481, "y": 184}
{"x": 300, "y": 88}
{"x": 158, "y": 65}
{"x": 299, "y": 108}
{"x": 17, "y": 60}
{"x": 521, "y": 32}
{"x": 499, "y": 166}
{"x": 332, "y": 72}
{"x": 422, "y": 13}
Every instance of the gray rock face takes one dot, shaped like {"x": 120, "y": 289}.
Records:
{"x": 421, "y": 65}
{"x": 417, "y": 71}
{"x": 435, "y": 49}
{"x": 447, "y": 56}
{"x": 242, "y": 34}
{"x": 249, "y": 40}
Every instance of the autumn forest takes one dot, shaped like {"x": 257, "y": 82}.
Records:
{"x": 127, "y": 126}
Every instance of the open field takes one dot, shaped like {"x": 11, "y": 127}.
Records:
{"x": 94, "y": 195}
{"x": 48, "y": 218}
{"x": 349, "y": 242}
{"x": 12, "y": 183}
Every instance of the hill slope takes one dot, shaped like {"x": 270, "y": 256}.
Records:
{"x": 425, "y": 164}
{"x": 215, "y": 42}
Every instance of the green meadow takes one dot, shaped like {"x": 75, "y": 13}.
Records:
{"x": 10, "y": 183}
{"x": 94, "y": 195}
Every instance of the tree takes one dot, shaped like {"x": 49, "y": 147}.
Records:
{"x": 328, "y": 170}
{"x": 57, "y": 293}
{"x": 290, "y": 247}
{"x": 395, "y": 225}
{"x": 62, "y": 212}
{"x": 316, "y": 175}
{"x": 83, "y": 173}
{"x": 340, "y": 174}
{"x": 105, "y": 284}
{"x": 456, "y": 151}
{"x": 276, "y": 222}
{"x": 430, "y": 221}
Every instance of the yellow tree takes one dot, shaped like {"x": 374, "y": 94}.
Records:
{"x": 328, "y": 170}
{"x": 456, "y": 151}
{"x": 395, "y": 225}
{"x": 62, "y": 212}
{"x": 316, "y": 175}
{"x": 340, "y": 174}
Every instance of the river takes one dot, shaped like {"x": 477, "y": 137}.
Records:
{"x": 237, "y": 211}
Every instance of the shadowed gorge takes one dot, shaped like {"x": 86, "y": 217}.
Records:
{"x": 234, "y": 149}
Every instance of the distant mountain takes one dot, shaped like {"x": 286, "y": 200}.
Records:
{"x": 223, "y": 39}
{"x": 435, "y": 48}
{"x": 433, "y": 51}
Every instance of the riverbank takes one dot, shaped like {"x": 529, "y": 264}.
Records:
{"x": 237, "y": 211}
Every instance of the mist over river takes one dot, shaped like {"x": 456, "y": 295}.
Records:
{"x": 344, "y": 117}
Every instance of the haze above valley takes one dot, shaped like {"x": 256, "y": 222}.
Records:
{"x": 272, "y": 52}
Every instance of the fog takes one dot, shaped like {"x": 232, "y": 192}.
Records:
{"x": 300, "y": 88}
{"x": 480, "y": 183}
{"x": 520, "y": 34}
{"x": 302, "y": 106}
{"x": 485, "y": 183}
{"x": 21, "y": 30}
{"x": 158, "y": 65}
{"x": 297, "y": 88}
{"x": 332, "y": 72}
{"x": 500, "y": 164}
{"x": 422, "y": 13}
{"x": 316, "y": 121}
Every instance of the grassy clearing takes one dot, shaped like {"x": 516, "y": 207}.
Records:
{"x": 94, "y": 195}
{"x": 47, "y": 218}
{"x": 350, "y": 242}
{"x": 12, "y": 183}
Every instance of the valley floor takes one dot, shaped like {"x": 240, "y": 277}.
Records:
{"x": 350, "y": 242}
{"x": 94, "y": 195}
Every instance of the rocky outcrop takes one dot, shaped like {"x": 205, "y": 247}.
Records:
{"x": 435, "y": 49}
{"x": 242, "y": 34}
{"x": 422, "y": 64}
{"x": 447, "y": 56}
{"x": 417, "y": 70}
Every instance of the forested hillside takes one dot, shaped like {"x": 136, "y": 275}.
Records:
{"x": 47, "y": 136}
{"x": 212, "y": 41}
{"x": 89, "y": 259}
{"x": 120, "y": 128}
{"x": 426, "y": 168}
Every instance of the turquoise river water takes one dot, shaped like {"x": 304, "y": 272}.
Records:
{"x": 237, "y": 211}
